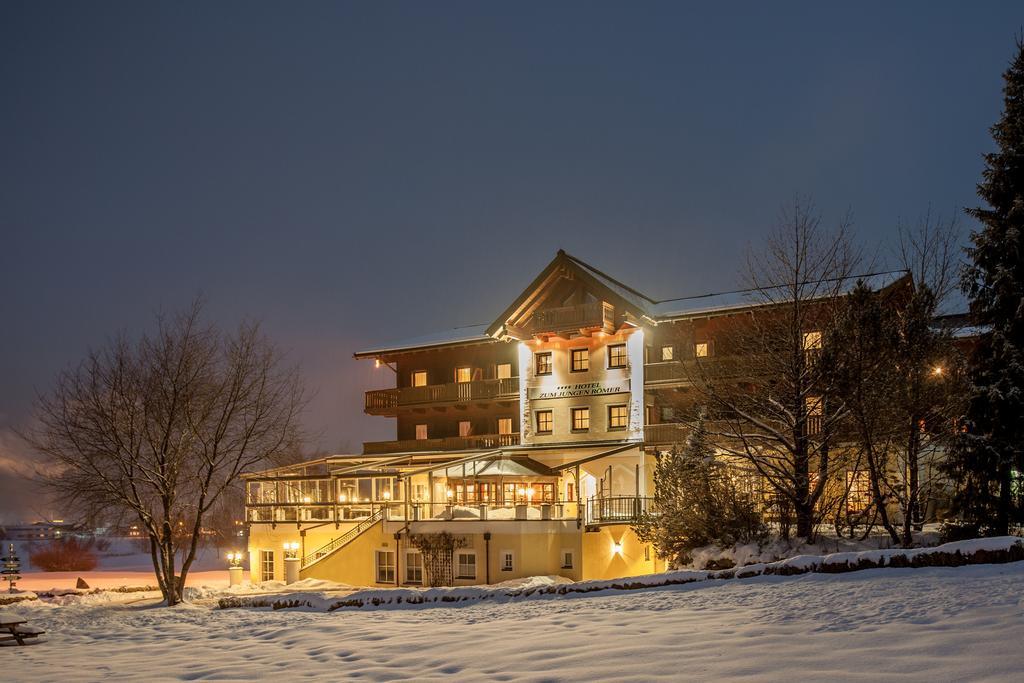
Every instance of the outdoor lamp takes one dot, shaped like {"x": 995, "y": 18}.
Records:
{"x": 235, "y": 559}
{"x": 291, "y": 549}
{"x": 616, "y": 547}
{"x": 387, "y": 495}
{"x": 448, "y": 493}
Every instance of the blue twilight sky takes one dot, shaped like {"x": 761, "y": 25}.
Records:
{"x": 359, "y": 172}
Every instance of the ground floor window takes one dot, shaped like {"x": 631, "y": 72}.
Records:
{"x": 506, "y": 560}
{"x": 567, "y": 559}
{"x": 385, "y": 566}
{"x": 413, "y": 567}
{"x": 465, "y": 566}
{"x": 266, "y": 565}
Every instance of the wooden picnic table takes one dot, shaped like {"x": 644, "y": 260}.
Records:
{"x": 12, "y": 627}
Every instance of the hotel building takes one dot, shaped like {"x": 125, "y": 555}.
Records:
{"x": 531, "y": 440}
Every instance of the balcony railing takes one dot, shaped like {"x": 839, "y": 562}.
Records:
{"x": 618, "y": 509}
{"x": 448, "y": 443}
{"x": 387, "y": 401}
{"x": 687, "y": 370}
{"x": 600, "y": 314}
{"x": 666, "y": 433}
{"x": 418, "y": 511}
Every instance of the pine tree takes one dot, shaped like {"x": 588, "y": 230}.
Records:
{"x": 989, "y": 454}
{"x": 697, "y": 502}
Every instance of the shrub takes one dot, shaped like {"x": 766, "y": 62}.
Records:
{"x": 66, "y": 555}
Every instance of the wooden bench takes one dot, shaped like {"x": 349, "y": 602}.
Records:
{"x": 15, "y": 628}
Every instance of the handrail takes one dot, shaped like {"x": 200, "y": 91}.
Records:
{"x": 350, "y": 535}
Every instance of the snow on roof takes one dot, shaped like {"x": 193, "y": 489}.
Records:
{"x": 746, "y": 298}
{"x": 459, "y": 335}
{"x": 667, "y": 309}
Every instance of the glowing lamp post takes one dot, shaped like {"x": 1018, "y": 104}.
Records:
{"x": 235, "y": 568}
{"x": 291, "y": 562}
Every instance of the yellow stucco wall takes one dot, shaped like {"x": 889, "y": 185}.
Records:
{"x": 615, "y": 551}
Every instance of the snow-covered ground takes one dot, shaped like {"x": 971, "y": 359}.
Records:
{"x": 932, "y": 624}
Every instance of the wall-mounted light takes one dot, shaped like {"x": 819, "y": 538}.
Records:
{"x": 342, "y": 498}
{"x": 291, "y": 549}
{"x": 234, "y": 559}
{"x": 616, "y": 547}
{"x": 387, "y": 495}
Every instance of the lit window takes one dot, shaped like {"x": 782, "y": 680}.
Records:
{"x": 668, "y": 413}
{"x": 463, "y": 374}
{"x": 566, "y": 559}
{"x": 859, "y": 486}
{"x": 421, "y": 432}
{"x": 700, "y": 349}
{"x": 504, "y": 371}
{"x": 815, "y": 410}
{"x": 618, "y": 417}
{"x": 617, "y": 356}
{"x": 580, "y": 419}
{"x": 504, "y": 425}
{"x": 544, "y": 363}
{"x": 812, "y": 340}
{"x": 385, "y": 566}
{"x": 506, "y": 560}
{"x": 266, "y": 565}
{"x": 466, "y": 566}
{"x": 419, "y": 378}
{"x": 465, "y": 427}
{"x": 580, "y": 360}
{"x": 413, "y": 567}
{"x": 544, "y": 421}
{"x": 668, "y": 353}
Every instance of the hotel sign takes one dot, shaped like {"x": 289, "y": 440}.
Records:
{"x": 577, "y": 390}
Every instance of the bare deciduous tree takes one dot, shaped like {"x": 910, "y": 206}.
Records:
{"x": 776, "y": 410}
{"x": 158, "y": 430}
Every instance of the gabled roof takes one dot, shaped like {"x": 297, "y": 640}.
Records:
{"x": 568, "y": 267}
{"x": 565, "y": 266}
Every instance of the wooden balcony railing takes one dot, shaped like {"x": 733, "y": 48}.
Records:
{"x": 666, "y": 433}
{"x": 687, "y": 370}
{"x": 598, "y": 314}
{"x": 449, "y": 443}
{"x": 387, "y": 401}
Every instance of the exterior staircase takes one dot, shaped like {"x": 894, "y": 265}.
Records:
{"x": 341, "y": 541}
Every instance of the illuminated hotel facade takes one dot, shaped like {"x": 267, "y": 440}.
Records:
{"x": 532, "y": 441}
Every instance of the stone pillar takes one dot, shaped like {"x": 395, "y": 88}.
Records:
{"x": 235, "y": 575}
{"x": 291, "y": 569}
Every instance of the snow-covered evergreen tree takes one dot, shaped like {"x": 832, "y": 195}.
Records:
{"x": 988, "y": 460}
{"x": 697, "y": 502}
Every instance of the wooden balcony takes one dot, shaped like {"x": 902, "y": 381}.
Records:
{"x": 388, "y": 401}
{"x": 676, "y": 372}
{"x": 449, "y": 443}
{"x": 665, "y": 434}
{"x": 599, "y": 315}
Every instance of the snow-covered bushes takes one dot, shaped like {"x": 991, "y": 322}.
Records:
{"x": 66, "y": 555}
